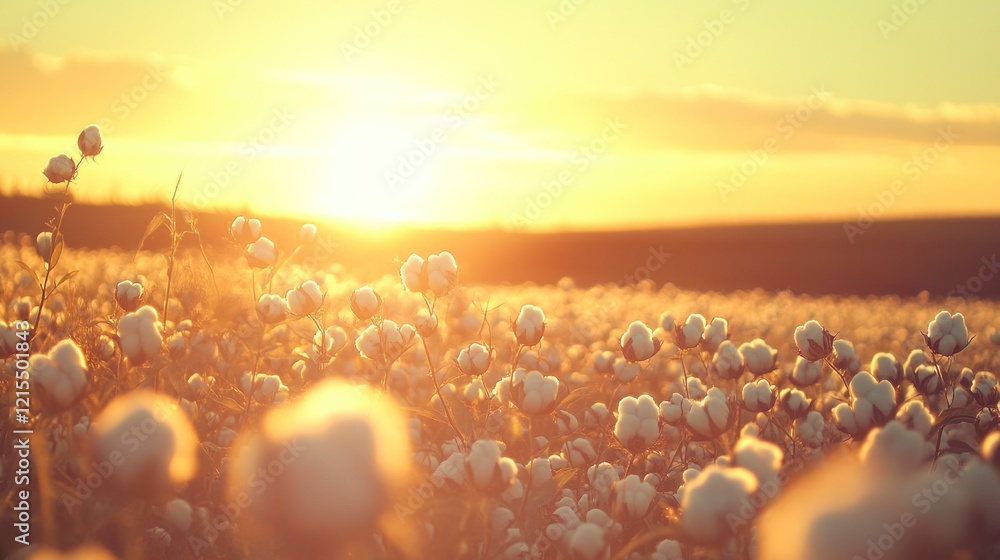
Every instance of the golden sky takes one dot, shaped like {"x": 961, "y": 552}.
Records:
{"x": 541, "y": 114}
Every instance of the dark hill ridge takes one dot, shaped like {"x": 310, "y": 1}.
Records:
{"x": 892, "y": 257}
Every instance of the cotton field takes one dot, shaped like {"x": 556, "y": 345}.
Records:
{"x": 237, "y": 404}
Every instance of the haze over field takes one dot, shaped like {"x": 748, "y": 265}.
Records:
{"x": 592, "y": 115}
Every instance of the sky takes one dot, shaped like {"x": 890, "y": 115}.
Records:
{"x": 538, "y": 115}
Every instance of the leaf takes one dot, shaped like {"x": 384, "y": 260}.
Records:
{"x": 57, "y": 248}
{"x": 424, "y": 413}
{"x": 30, "y": 271}
{"x": 952, "y": 416}
{"x": 229, "y": 403}
{"x": 66, "y": 277}
{"x": 154, "y": 224}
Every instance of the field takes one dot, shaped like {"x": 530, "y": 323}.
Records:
{"x": 258, "y": 402}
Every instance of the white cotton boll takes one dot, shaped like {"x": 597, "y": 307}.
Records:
{"x": 690, "y": 333}
{"x": 534, "y": 393}
{"x": 271, "y": 308}
{"x": 632, "y": 498}
{"x": 140, "y": 335}
{"x": 667, "y": 322}
{"x": 813, "y": 342}
{"x": 845, "y": 358}
{"x": 638, "y": 426}
{"x": 245, "y": 231}
{"x": 638, "y": 344}
{"x": 589, "y": 542}
{"x": 61, "y": 374}
{"x": 304, "y": 299}
{"x": 329, "y": 341}
{"x": 178, "y": 514}
{"x": 915, "y": 359}
{"x": 759, "y": 396}
{"x": 794, "y": 402}
{"x": 602, "y": 478}
{"x": 884, "y": 366}
{"x": 451, "y": 471}
{"x": 474, "y": 391}
{"x": 760, "y": 457}
{"x": 715, "y": 333}
{"x": 914, "y": 415}
{"x": 442, "y": 273}
{"x": 708, "y": 417}
{"x": 539, "y": 470}
{"x": 759, "y": 357}
{"x": 127, "y": 294}
{"x": 307, "y": 234}
{"x": 388, "y": 346}
{"x": 604, "y": 361}
{"x": 579, "y": 452}
{"x": 947, "y": 334}
{"x": 90, "y": 141}
{"x": 927, "y": 381}
{"x": 501, "y": 519}
{"x": 625, "y": 371}
{"x": 529, "y": 327}
{"x": 414, "y": 274}
{"x": 696, "y": 389}
{"x": 873, "y": 404}
{"x": 365, "y": 303}
{"x": 984, "y": 389}
{"x": 475, "y": 359}
{"x": 806, "y": 373}
{"x": 597, "y": 415}
{"x": 344, "y": 456}
{"x": 672, "y": 410}
{"x": 426, "y": 323}
{"x": 709, "y": 499}
{"x": 727, "y": 363}
{"x": 893, "y": 447}
{"x": 197, "y": 386}
{"x": 811, "y": 430}
{"x": 60, "y": 169}
{"x": 667, "y": 550}
{"x": 149, "y": 440}
{"x": 600, "y": 518}
{"x": 226, "y": 437}
{"x": 261, "y": 253}
{"x": 566, "y": 423}
{"x": 486, "y": 469}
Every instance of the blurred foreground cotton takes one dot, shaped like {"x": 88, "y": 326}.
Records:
{"x": 324, "y": 469}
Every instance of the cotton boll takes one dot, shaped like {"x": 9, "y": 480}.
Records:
{"x": 245, "y": 231}
{"x": 164, "y": 457}
{"x": 261, "y": 253}
{"x": 637, "y": 427}
{"x": 806, "y": 373}
{"x": 426, "y": 323}
{"x": 813, "y": 342}
{"x": 601, "y": 478}
{"x": 388, "y": 346}
{"x": 914, "y": 415}
{"x": 270, "y": 308}
{"x": 589, "y": 542}
{"x": 413, "y": 274}
{"x": 487, "y": 470}
{"x": 140, "y": 335}
{"x": 530, "y": 325}
{"x": 691, "y": 332}
{"x": 625, "y": 371}
{"x": 127, "y": 294}
{"x": 60, "y": 375}
{"x": 344, "y": 456}
{"x": 947, "y": 334}
{"x": 667, "y": 550}
{"x": 579, "y": 452}
{"x": 884, "y": 366}
{"x": 715, "y": 333}
{"x": 638, "y": 344}
{"x": 759, "y": 396}
{"x": 872, "y": 405}
{"x": 178, "y": 514}
{"x": 365, "y": 303}
{"x": 760, "y": 457}
{"x": 672, "y": 410}
{"x": 845, "y": 358}
{"x": 604, "y": 362}
{"x": 727, "y": 363}
{"x": 307, "y": 234}
{"x": 709, "y": 417}
{"x": 984, "y": 389}
{"x": 794, "y": 402}
{"x": 475, "y": 359}
{"x": 710, "y": 498}
{"x": 60, "y": 169}
{"x": 534, "y": 393}
{"x": 566, "y": 422}
{"x": 894, "y": 448}
{"x": 442, "y": 273}
{"x": 631, "y": 497}
{"x": 305, "y": 299}
{"x": 811, "y": 430}
{"x": 759, "y": 357}
{"x": 927, "y": 381}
